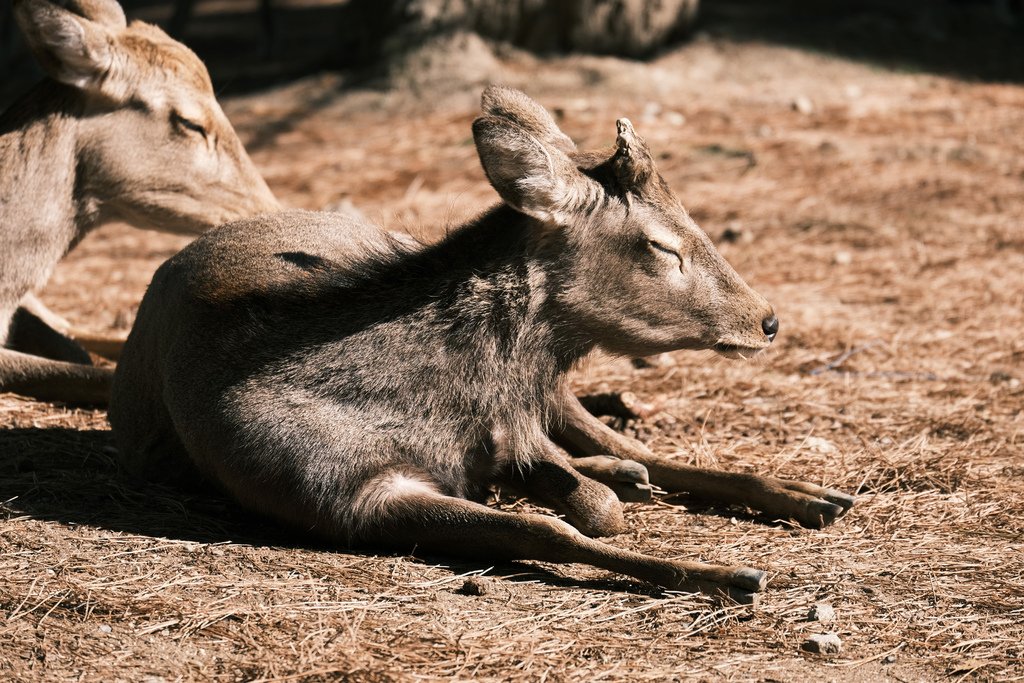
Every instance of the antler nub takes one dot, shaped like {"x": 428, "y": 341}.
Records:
{"x": 633, "y": 163}
{"x": 626, "y": 140}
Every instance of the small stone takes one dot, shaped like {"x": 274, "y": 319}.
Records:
{"x": 823, "y": 644}
{"x": 731, "y": 235}
{"x": 675, "y": 118}
{"x": 104, "y": 629}
{"x": 842, "y": 258}
{"x": 820, "y": 445}
{"x": 475, "y": 585}
{"x": 822, "y": 612}
{"x": 651, "y": 112}
{"x": 889, "y": 659}
{"x": 803, "y": 105}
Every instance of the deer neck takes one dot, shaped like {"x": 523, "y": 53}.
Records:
{"x": 502, "y": 290}
{"x": 41, "y": 205}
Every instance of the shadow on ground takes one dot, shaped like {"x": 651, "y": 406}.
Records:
{"x": 71, "y": 477}
{"x": 970, "y": 39}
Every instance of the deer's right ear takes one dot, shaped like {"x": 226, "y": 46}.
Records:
{"x": 532, "y": 177}
{"x": 70, "y": 48}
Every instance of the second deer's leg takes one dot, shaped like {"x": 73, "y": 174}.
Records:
{"x": 442, "y": 524}
{"x": 52, "y": 380}
{"x": 34, "y": 336}
{"x": 106, "y": 345}
{"x": 812, "y": 506}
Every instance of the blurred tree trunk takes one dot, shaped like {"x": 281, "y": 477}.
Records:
{"x": 631, "y": 28}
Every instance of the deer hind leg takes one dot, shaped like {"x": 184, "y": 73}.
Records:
{"x": 811, "y": 505}
{"x": 108, "y": 346}
{"x": 407, "y": 517}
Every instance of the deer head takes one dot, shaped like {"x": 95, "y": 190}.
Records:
{"x": 629, "y": 267}
{"x": 154, "y": 147}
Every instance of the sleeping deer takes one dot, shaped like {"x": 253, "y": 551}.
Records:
{"x": 331, "y": 376}
{"x": 125, "y": 128}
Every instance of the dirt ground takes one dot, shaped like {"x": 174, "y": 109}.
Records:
{"x": 879, "y": 210}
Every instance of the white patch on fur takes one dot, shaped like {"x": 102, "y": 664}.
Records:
{"x": 377, "y": 495}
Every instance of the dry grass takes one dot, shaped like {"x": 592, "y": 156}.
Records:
{"x": 886, "y": 228}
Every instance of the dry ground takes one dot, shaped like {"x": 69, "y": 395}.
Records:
{"x": 884, "y": 222}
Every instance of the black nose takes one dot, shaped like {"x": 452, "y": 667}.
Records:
{"x": 770, "y": 325}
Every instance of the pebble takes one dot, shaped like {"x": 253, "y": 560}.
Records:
{"x": 822, "y": 612}
{"x": 475, "y": 585}
{"x": 675, "y": 118}
{"x": 823, "y": 644}
{"x": 803, "y": 105}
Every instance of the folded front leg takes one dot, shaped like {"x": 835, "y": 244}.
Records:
{"x": 588, "y": 505}
{"x": 812, "y": 506}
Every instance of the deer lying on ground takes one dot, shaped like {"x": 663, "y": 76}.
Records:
{"x": 330, "y": 376}
{"x": 126, "y": 128}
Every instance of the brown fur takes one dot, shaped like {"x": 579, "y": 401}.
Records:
{"x": 368, "y": 391}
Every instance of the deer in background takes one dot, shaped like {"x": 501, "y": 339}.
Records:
{"x": 126, "y": 127}
{"x": 335, "y": 378}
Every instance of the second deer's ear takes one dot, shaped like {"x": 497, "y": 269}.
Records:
{"x": 531, "y": 176}
{"x": 105, "y": 12}
{"x": 70, "y": 48}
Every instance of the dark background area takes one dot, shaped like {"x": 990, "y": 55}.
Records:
{"x": 248, "y": 46}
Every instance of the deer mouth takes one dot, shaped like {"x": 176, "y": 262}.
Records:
{"x": 736, "y": 351}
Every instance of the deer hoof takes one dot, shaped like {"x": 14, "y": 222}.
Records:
{"x": 632, "y": 493}
{"x": 630, "y": 481}
{"x": 629, "y": 471}
{"x": 742, "y": 586}
{"x": 750, "y": 579}
{"x": 746, "y": 586}
{"x": 820, "y": 513}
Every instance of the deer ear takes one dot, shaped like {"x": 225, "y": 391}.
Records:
{"x": 70, "y": 48}
{"x": 517, "y": 107}
{"x": 105, "y": 12}
{"x": 633, "y": 163}
{"x": 532, "y": 177}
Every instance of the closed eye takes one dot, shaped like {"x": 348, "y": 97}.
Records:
{"x": 181, "y": 121}
{"x": 658, "y": 246}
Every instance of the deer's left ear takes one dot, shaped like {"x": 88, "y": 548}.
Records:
{"x": 517, "y": 107}
{"x": 70, "y": 48}
{"x": 531, "y": 176}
